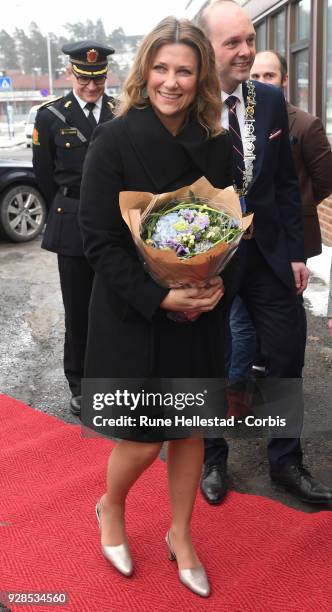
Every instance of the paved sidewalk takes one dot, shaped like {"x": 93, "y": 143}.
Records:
{"x": 17, "y": 139}
{"x": 6, "y": 143}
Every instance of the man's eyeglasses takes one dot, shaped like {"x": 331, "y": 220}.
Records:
{"x": 86, "y": 80}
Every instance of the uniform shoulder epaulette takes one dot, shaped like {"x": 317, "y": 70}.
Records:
{"x": 111, "y": 102}
{"x": 49, "y": 102}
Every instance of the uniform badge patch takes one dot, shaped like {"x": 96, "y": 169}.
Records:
{"x": 65, "y": 131}
{"x": 35, "y": 137}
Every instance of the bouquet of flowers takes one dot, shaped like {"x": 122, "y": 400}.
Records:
{"x": 188, "y": 227}
{"x": 186, "y": 236}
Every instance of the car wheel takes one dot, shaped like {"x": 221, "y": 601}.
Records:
{"x": 22, "y": 213}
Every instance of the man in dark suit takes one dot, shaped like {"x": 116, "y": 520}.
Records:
{"x": 60, "y": 140}
{"x": 273, "y": 268}
{"x": 313, "y": 163}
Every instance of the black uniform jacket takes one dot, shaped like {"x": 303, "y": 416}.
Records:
{"x": 129, "y": 335}
{"x": 58, "y": 157}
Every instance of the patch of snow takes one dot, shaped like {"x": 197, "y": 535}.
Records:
{"x": 316, "y": 295}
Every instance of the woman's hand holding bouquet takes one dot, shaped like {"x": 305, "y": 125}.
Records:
{"x": 194, "y": 301}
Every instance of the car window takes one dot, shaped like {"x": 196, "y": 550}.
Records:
{"x": 32, "y": 116}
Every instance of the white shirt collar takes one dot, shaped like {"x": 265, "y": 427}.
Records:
{"x": 238, "y": 92}
{"x": 82, "y": 103}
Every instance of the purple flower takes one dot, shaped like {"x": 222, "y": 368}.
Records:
{"x": 181, "y": 250}
{"x": 188, "y": 215}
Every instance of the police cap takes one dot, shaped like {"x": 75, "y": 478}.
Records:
{"x": 88, "y": 58}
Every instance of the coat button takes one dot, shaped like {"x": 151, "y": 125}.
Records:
{"x": 59, "y": 210}
{"x": 68, "y": 145}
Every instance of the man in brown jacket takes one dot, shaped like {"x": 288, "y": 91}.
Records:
{"x": 310, "y": 146}
{"x": 311, "y": 153}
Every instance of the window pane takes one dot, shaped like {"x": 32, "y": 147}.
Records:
{"x": 303, "y": 19}
{"x": 302, "y": 79}
{"x": 279, "y": 32}
{"x": 261, "y": 36}
{"x": 328, "y": 68}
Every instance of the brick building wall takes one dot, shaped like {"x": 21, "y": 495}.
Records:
{"x": 325, "y": 220}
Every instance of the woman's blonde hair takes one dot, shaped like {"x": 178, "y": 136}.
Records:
{"x": 207, "y": 105}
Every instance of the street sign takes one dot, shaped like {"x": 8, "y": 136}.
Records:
{"x": 6, "y": 83}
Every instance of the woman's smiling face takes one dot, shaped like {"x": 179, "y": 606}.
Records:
{"x": 172, "y": 83}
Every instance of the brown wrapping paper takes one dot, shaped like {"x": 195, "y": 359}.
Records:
{"x": 164, "y": 266}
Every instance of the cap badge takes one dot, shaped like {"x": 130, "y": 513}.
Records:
{"x": 92, "y": 56}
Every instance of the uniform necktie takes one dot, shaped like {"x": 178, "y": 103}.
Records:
{"x": 91, "y": 118}
{"x": 234, "y": 130}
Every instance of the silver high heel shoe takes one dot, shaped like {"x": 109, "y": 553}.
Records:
{"x": 194, "y": 579}
{"x": 118, "y": 556}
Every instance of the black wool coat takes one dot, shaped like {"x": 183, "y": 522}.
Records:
{"x": 129, "y": 335}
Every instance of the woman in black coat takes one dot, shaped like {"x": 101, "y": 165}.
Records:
{"x": 166, "y": 135}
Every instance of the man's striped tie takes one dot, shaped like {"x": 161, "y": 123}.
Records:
{"x": 234, "y": 130}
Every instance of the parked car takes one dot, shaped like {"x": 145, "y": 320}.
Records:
{"x": 30, "y": 122}
{"x": 22, "y": 207}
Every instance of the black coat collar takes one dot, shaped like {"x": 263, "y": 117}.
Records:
{"x": 154, "y": 144}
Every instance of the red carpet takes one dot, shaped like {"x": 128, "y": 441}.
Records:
{"x": 260, "y": 555}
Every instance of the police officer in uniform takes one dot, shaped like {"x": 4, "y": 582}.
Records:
{"x": 61, "y": 136}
